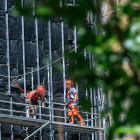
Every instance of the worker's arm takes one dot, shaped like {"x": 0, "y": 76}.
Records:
{"x": 42, "y": 100}
{"x": 30, "y": 98}
{"x": 76, "y": 97}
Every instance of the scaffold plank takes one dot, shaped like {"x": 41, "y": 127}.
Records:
{"x": 36, "y": 123}
{"x": 22, "y": 121}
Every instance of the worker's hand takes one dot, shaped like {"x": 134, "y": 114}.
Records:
{"x": 43, "y": 106}
{"x": 75, "y": 103}
{"x": 32, "y": 107}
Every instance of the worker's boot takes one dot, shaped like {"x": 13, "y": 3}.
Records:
{"x": 80, "y": 119}
{"x": 71, "y": 119}
{"x": 82, "y": 122}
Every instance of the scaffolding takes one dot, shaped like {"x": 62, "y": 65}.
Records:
{"x": 95, "y": 125}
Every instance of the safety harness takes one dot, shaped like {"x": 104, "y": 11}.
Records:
{"x": 69, "y": 97}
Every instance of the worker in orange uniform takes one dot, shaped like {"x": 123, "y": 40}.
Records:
{"x": 72, "y": 98}
{"x": 32, "y": 98}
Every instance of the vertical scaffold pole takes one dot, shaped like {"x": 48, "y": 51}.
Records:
{"x": 8, "y": 64}
{"x": 91, "y": 91}
{"x": 64, "y": 78}
{"x": 32, "y": 81}
{"x": 23, "y": 49}
{"x": 95, "y": 110}
{"x": 50, "y": 57}
{"x": 49, "y": 94}
{"x": 103, "y": 120}
{"x": 51, "y": 80}
{"x": 95, "y": 91}
{"x": 99, "y": 111}
{"x": 92, "y": 66}
{"x": 86, "y": 89}
{"x": 75, "y": 42}
{"x": 63, "y": 61}
{"x": 32, "y": 78}
{"x": 91, "y": 97}
{"x": 37, "y": 54}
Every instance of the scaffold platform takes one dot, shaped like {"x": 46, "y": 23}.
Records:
{"x": 37, "y": 123}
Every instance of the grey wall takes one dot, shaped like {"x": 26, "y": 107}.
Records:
{"x": 16, "y": 60}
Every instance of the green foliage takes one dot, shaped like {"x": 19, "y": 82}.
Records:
{"x": 122, "y": 63}
{"x": 86, "y": 104}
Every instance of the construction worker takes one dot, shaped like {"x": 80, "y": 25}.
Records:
{"x": 72, "y": 98}
{"x": 32, "y": 98}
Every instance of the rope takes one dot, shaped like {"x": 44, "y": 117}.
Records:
{"x": 20, "y": 87}
{"x": 37, "y": 69}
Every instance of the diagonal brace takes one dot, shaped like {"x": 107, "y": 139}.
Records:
{"x": 37, "y": 130}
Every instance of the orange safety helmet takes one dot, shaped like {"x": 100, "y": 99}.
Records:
{"x": 41, "y": 88}
{"x": 69, "y": 82}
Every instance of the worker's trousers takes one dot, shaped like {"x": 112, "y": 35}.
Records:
{"x": 72, "y": 114}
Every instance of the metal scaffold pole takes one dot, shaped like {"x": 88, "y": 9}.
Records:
{"x": 49, "y": 94}
{"x": 103, "y": 119}
{"x": 99, "y": 110}
{"x": 37, "y": 57}
{"x": 85, "y": 53}
{"x": 64, "y": 78}
{"x": 37, "y": 130}
{"x": 95, "y": 110}
{"x": 91, "y": 96}
{"x": 63, "y": 61}
{"x": 8, "y": 63}
{"x": 23, "y": 49}
{"x": 32, "y": 78}
{"x": 32, "y": 81}
{"x": 91, "y": 91}
{"x": 50, "y": 57}
{"x": 75, "y": 42}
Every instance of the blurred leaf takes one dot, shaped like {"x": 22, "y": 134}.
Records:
{"x": 86, "y": 104}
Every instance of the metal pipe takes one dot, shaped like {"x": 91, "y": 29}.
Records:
{"x": 86, "y": 89}
{"x": 50, "y": 57}
{"x": 37, "y": 51}
{"x": 91, "y": 97}
{"x": 48, "y": 107}
{"x": 103, "y": 119}
{"x": 37, "y": 54}
{"x": 32, "y": 113}
{"x": 95, "y": 110}
{"x": 23, "y": 48}
{"x": 37, "y": 130}
{"x": 8, "y": 62}
{"x": 64, "y": 78}
{"x": 91, "y": 100}
{"x": 45, "y": 115}
{"x": 32, "y": 81}
{"x": 63, "y": 59}
{"x": 49, "y": 94}
{"x": 99, "y": 110}
{"x": 75, "y": 42}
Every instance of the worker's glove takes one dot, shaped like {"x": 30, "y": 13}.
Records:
{"x": 75, "y": 103}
